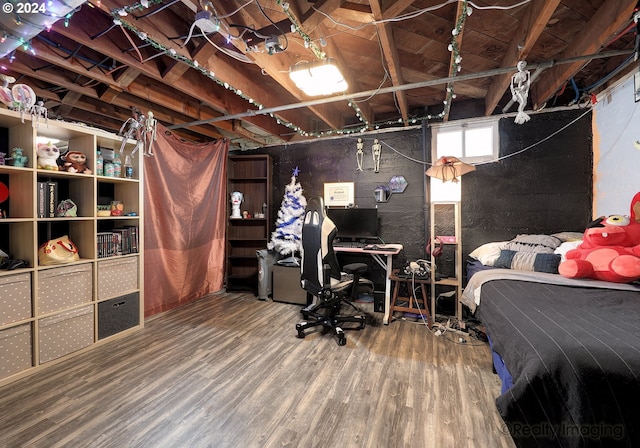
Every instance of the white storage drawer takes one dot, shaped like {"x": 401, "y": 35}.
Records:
{"x": 15, "y": 350}
{"x": 64, "y": 287}
{"x": 117, "y": 277}
{"x": 15, "y": 298}
{"x": 65, "y": 333}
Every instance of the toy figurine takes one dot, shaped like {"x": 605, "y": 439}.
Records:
{"x": 236, "y": 199}
{"x": 17, "y": 157}
{"x": 131, "y": 129}
{"x": 48, "y": 155}
{"x": 3, "y": 160}
{"x": 75, "y": 162}
{"x": 39, "y": 111}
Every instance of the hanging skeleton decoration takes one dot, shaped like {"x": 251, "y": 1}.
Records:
{"x": 131, "y": 129}
{"x": 376, "y": 149}
{"x": 360, "y": 154}
{"x": 140, "y": 128}
{"x": 149, "y": 135}
{"x": 520, "y": 83}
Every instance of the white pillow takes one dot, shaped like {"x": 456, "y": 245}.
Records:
{"x": 566, "y": 247}
{"x": 488, "y": 253}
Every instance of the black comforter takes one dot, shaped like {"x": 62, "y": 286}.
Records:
{"x": 574, "y": 355}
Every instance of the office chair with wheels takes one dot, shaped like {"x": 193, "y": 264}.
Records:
{"x": 320, "y": 275}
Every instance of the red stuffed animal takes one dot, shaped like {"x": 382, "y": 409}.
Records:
{"x": 610, "y": 249}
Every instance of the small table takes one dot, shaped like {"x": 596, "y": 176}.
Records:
{"x": 413, "y": 305}
{"x": 381, "y": 249}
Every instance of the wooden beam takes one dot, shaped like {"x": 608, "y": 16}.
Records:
{"x": 68, "y": 102}
{"x": 391, "y": 58}
{"x": 278, "y": 69}
{"x": 354, "y": 11}
{"x": 529, "y": 30}
{"x": 125, "y": 77}
{"x": 125, "y": 101}
{"x": 176, "y": 70}
{"x": 191, "y": 83}
{"x": 396, "y": 7}
{"x": 609, "y": 19}
{"x": 109, "y": 93}
{"x": 314, "y": 17}
{"x": 352, "y": 80}
{"x": 453, "y": 65}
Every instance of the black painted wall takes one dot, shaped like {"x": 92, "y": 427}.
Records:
{"x": 544, "y": 189}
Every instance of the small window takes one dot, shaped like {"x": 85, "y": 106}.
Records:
{"x": 475, "y": 141}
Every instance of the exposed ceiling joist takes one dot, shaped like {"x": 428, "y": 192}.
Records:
{"x": 537, "y": 16}
{"x": 608, "y": 20}
{"x": 392, "y": 59}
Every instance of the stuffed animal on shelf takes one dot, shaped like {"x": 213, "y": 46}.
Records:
{"x": 48, "y": 156}
{"x": 610, "y": 249}
{"x": 75, "y": 162}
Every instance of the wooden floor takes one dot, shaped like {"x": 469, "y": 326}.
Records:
{"x": 228, "y": 371}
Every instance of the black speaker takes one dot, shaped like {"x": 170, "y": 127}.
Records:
{"x": 118, "y": 314}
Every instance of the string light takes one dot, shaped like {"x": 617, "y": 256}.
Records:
{"x": 465, "y": 12}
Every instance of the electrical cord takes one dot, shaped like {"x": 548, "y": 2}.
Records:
{"x": 286, "y": 39}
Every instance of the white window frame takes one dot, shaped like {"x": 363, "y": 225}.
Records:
{"x": 468, "y": 125}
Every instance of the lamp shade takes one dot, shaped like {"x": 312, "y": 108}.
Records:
{"x": 448, "y": 168}
{"x": 318, "y": 77}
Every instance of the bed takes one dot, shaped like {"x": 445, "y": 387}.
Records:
{"x": 567, "y": 352}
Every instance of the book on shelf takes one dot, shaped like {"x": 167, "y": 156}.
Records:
{"x": 47, "y": 199}
{"x": 119, "y": 241}
{"x": 42, "y": 200}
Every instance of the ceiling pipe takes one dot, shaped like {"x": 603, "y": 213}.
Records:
{"x": 22, "y": 21}
{"x": 416, "y": 85}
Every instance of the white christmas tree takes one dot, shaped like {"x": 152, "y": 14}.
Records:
{"x": 287, "y": 237}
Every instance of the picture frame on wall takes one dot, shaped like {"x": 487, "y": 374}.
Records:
{"x": 636, "y": 87}
{"x": 339, "y": 194}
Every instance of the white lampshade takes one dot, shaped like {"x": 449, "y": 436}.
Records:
{"x": 318, "y": 77}
{"x": 445, "y": 191}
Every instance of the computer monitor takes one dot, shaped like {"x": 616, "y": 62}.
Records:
{"x": 355, "y": 223}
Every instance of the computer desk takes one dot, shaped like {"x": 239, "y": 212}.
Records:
{"x": 383, "y": 249}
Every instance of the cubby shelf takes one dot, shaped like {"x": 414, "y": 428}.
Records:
{"x": 250, "y": 175}
{"x": 63, "y": 317}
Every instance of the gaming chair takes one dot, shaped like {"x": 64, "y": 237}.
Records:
{"x": 320, "y": 275}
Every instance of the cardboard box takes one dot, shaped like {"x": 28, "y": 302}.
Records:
{"x": 286, "y": 285}
{"x": 65, "y": 333}
{"x": 117, "y": 277}
{"x": 64, "y": 287}
{"x": 15, "y": 298}
{"x": 15, "y": 350}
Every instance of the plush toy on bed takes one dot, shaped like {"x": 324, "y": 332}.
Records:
{"x": 610, "y": 249}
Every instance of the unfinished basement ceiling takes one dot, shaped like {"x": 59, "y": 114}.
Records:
{"x": 404, "y": 61}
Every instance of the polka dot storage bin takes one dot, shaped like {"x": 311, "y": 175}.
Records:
{"x": 15, "y": 350}
{"x": 117, "y": 277}
{"x": 64, "y": 287}
{"x": 65, "y": 333}
{"x": 15, "y": 298}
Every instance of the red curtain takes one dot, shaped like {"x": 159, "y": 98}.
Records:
{"x": 184, "y": 225}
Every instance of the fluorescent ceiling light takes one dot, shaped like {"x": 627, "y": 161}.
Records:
{"x": 318, "y": 77}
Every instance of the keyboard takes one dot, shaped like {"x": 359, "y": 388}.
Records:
{"x": 354, "y": 244}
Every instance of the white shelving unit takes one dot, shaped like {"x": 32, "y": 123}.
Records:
{"x": 49, "y": 313}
